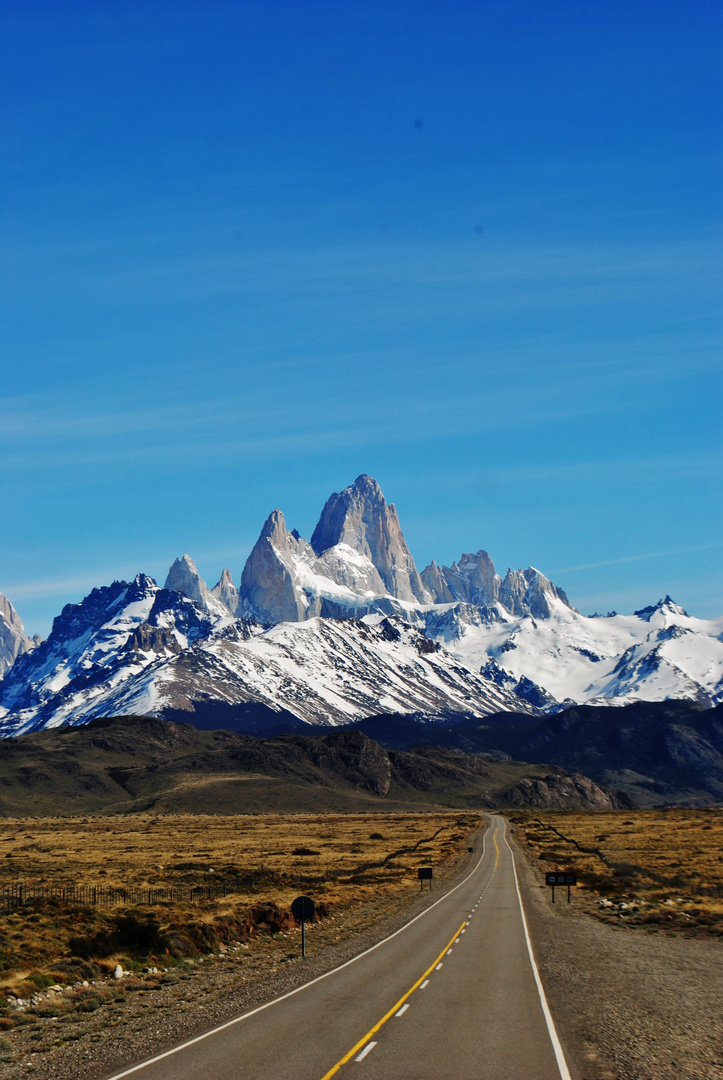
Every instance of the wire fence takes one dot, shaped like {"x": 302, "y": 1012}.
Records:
{"x": 17, "y": 894}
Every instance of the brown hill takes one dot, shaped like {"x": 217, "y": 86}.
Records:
{"x": 132, "y": 764}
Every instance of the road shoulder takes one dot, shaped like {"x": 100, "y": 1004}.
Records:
{"x": 628, "y": 1005}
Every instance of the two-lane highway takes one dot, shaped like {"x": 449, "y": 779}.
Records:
{"x": 454, "y": 994}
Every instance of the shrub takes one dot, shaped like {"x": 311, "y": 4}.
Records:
{"x": 89, "y": 1001}
{"x": 132, "y": 933}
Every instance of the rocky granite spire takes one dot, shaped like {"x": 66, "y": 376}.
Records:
{"x": 472, "y": 580}
{"x": 226, "y": 592}
{"x": 184, "y": 578}
{"x": 360, "y": 518}
{"x": 528, "y": 592}
{"x": 268, "y": 584}
{"x": 13, "y": 640}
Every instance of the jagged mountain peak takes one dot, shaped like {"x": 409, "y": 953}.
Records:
{"x": 274, "y": 528}
{"x": 529, "y": 592}
{"x": 226, "y": 592}
{"x": 471, "y": 580}
{"x": 360, "y": 517}
{"x": 666, "y": 606}
{"x": 184, "y": 578}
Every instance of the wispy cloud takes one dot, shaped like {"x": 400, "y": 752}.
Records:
{"x": 635, "y": 558}
{"x": 82, "y": 583}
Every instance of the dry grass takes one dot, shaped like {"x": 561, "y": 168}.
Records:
{"x": 666, "y": 867}
{"x": 333, "y": 854}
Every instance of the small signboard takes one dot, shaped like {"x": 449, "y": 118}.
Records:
{"x": 303, "y": 910}
{"x": 559, "y": 878}
{"x": 424, "y": 873}
{"x": 562, "y": 878}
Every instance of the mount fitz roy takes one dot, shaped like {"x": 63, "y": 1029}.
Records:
{"x": 342, "y": 627}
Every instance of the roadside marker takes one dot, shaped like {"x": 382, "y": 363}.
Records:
{"x": 365, "y": 1051}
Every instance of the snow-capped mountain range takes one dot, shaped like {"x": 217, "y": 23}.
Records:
{"x": 344, "y": 626}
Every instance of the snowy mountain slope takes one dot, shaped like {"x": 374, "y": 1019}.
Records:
{"x": 94, "y": 648}
{"x": 329, "y": 671}
{"x": 151, "y": 649}
{"x": 661, "y": 652}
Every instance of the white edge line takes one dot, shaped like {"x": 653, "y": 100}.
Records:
{"x": 275, "y": 1001}
{"x": 551, "y": 1030}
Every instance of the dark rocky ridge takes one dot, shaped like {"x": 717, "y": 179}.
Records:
{"x": 659, "y": 752}
{"x": 127, "y": 764}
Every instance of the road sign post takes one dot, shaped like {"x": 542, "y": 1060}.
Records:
{"x": 424, "y": 873}
{"x": 561, "y": 877}
{"x": 302, "y": 909}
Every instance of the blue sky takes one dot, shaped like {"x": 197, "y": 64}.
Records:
{"x": 251, "y": 250}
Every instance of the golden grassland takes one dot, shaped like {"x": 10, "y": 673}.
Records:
{"x": 665, "y": 867}
{"x": 342, "y": 860}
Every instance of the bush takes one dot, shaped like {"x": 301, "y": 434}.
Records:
{"x": 132, "y": 933}
{"x": 76, "y": 970}
{"x": 89, "y": 1001}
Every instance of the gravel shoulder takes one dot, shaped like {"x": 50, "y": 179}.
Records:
{"x": 628, "y": 1004}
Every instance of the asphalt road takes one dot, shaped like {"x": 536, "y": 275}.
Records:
{"x": 453, "y": 995}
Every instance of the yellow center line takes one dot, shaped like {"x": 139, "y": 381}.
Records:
{"x": 357, "y": 1046}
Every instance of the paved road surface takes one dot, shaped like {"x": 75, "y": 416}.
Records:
{"x": 453, "y": 995}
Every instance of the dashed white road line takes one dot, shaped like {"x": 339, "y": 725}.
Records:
{"x": 402, "y": 1010}
{"x": 425, "y": 983}
{"x": 438, "y": 966}
{"x": 369, "y": 1046}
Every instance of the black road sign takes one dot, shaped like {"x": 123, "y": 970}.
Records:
{"x": 424, "y": 873}
{"x": 561, "y": 878}
{"x": 303, "y": 909}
